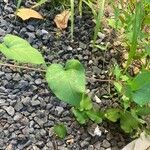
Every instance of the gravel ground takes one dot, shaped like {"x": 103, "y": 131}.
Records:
{"x": 28, "y": 109}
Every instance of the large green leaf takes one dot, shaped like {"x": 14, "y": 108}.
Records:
{"x": 20, "y": 50}
{"x": 142, "y": 96}
{"x": 140, "y": 80}
{"x": 127, "y": 122}
{"x": 68, "y": 83}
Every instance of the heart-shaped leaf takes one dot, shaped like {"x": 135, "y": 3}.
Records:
{"x": 20, "y": 50}
{"x": 142, "y": 96}
{"x": 68, "y": 83}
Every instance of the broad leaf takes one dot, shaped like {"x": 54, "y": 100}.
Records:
{"x": 127, "y": 122}
{"x": 80, "y": 116}
{"x": 94, "y": 115}
{"x": 112, "y": 114}
{"x": 20, "y": 50}
{"x": 143, "y": 111}
{"x": 140, "y": 80}
{"x": 68, "y": 83}
{"x": 60, "y": 130}
{"x": 86, "y": 103}
{"x": 142, "y": 96}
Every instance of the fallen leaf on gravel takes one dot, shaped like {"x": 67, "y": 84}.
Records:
{"x": 27, "y": 13}
{"x": 61, "y": 20}
{"x": 142, "y": 143}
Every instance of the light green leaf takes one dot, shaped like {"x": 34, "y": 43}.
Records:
{"x": 112, "y": 114}
{"x": 68, "y": 83}
{"x": 94, "y": 115}
{"x": 80, "y": 116}
{"x": 86, "y": 103}
{"x": 60, "y": 130}
{"x": 142, "y": 96}
{"x": 118, "y": 86}
{"x": 20, "y": 50}
{"x": 127, "y": 122}
{"x": 143, "y": 111}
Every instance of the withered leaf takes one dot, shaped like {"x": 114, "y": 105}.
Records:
{"x": 61, "y": 20}
{"x": 27, "y": 13}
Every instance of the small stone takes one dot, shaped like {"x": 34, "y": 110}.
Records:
{"x": 30, "y": 27}
{"x": 10, "y": 147}
{"x": 82, "y": 45}
{"x": 84, "y": 143}
{"x": 35, "y": 147}
{"x": 1, "y": 73}
{"x": 90, "y": 147}
{"x": 17, "y": 117}
{"x": 97, "y": 100}
{"x": 35, "y": 102}
{"x": 59, "y": 110}
{"x": 10, "y": 110}
{"x": 106, "y": 144}
{"x": 50, "y": 145}
{"x": 44, "y": 31}
{"x": 38, "y": 81}
{"x": 40, "y": 144}
{"x": 2, "y": 32}
{"x": 42, "y": 132}
{"x": 18, "y": 106}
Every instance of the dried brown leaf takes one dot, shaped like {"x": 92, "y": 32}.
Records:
{"x": 27, "y": 13}
{"x": 61, "y": 20}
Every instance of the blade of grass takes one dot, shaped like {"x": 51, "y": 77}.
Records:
{"x": 99, "y": 19}
{"x": 80, "y": 7}
{"x": 90, "y": 5}
{"x": 136, "y": 32}
{"x": 39, "y": 3}
{"x": 18, "y": 4}
{"x": 72, "y": 18}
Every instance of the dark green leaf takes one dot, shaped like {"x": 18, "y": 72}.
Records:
{"x": 68, "y": 83}
{"x": 20, "y": 50}
{"x": 127, "y": 122}
{"x": 60, "y": 130}
{"x": 143, "y": 111}
{"x": 140, "y": 80}
{"x": 142, "y": 96}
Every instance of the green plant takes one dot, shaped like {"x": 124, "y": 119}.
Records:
{"x": 68, "y": 84}
{"x": 131, "y": 20}
{"x": 60, "y": 130}
{"x": 98, "y": 19}
{"x": 134, "y": 93}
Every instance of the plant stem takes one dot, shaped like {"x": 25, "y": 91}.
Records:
{"x": 99, "y": 19}
{"x": 22, "y": 67}
{"x": 42, "y": 70}
{"x": 135, "y": 34}
{"x": 72, "y": 18}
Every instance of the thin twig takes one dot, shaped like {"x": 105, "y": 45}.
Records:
{"x": 42, "y": 70}
{"x": 22, "y": 67}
